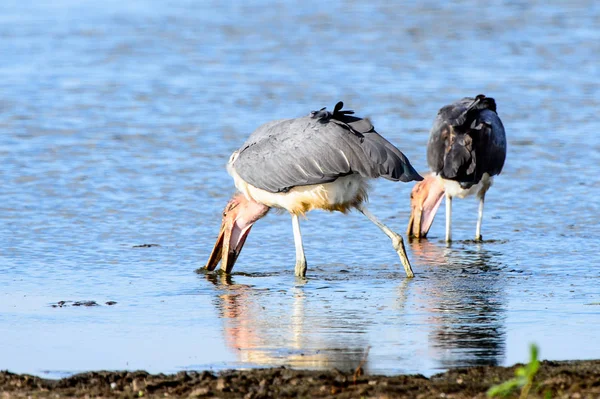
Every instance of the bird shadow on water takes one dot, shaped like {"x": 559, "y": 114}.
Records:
{"x": 268, "y": 327}
{"x": 464, "y": 290}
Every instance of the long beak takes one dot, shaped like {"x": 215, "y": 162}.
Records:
{"x": 426, "y": 198}
{"x": 217, "y": 251}
{"x": 230, "y": 242}
{"x": 238, "y": 217}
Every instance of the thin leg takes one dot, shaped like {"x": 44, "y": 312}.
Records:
{"x": 397, "y": 241}
{"x": 448, "y": 218}
{"x": 300, "y": 270}
{"x": 479, "y": 219}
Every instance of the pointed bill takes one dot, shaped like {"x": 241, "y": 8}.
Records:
{"x": 238, "y": 217}
{"x": 425, "y": 199}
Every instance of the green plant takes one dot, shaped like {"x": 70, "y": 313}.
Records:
{"x": 523, "y": 378}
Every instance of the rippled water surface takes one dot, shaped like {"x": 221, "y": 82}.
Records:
{"x": 116, "y": 121}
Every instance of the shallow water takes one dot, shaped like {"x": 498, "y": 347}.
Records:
{"x": 116, "y": 121}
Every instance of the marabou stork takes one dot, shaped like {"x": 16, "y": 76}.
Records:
{"x": 320, "y": 161}
{"x": 466, "y": 148}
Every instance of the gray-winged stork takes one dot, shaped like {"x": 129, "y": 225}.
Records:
{"x": 320, "y": 161}
{"x": 466, "y": 148}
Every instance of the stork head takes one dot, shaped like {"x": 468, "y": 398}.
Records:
{"x": 238, "y": 217}
{"x": 425, "y": 199}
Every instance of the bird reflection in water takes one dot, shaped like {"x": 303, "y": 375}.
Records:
{"x": 266, "y": 331}
{"x": 466, "y": 300}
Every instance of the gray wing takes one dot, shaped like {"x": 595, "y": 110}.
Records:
{"x": 318, "y": 149}
{"x": 491, "y": 144}
{"x": 467, "y": 140}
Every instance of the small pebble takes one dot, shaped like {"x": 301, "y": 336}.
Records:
{"x": 221, "y": 384}
{"x": 199, "y": 392}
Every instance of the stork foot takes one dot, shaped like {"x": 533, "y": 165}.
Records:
{"x": 300, "y": 269}
{"x": 479, "y": 238}
{"x": 398, "y": 244}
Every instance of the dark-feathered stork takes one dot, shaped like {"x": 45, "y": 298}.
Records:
{"x": 466, "y": 148}
{"x": 320, "y": 161}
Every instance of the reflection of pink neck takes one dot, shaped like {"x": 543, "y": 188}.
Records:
{"x": 239, "y": 322}
{"x": 429, "y": 252}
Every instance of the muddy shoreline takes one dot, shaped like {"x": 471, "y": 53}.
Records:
{"x": 565, "y": 379}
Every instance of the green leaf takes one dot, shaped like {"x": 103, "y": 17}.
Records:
{"x": 523, "y": 377}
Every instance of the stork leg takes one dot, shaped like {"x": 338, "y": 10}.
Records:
{"x": 396, "y": 238}
{"x": 448, "y": 218}
{"x": 479, "y": 218}
{"x": 300, "y": 269}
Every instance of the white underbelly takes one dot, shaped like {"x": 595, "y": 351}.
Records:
{"x": 454, "y": 189}
{"x": 339, "y": 195}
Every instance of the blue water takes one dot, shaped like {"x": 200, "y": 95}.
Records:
{"x": 117, "y": 119}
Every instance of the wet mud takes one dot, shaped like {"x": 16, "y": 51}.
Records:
{"x": 567, "y": 379}
{"x": 66, "y": 304}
